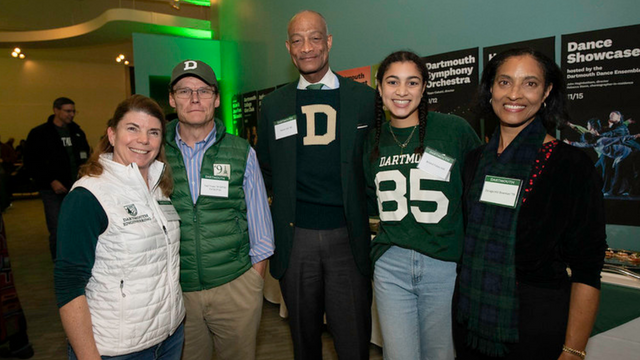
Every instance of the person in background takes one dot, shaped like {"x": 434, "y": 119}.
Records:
{"x": 310, "y": 138}
{"x": 418, "y": 245}
{"x": 533, "y": 208}
{"x": 118, "y": 265}
{"x": 55, "y": 152}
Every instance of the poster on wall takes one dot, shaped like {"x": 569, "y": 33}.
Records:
{"x": 249, "y": 114}
{"x": 252, "y": 133}
{"x": 546, "y": 46}
{"x": 453, "y": 82}
{"x": 602, "y": 71}
{"x": 236, "y": 113}
{"x": 361, "y": 74}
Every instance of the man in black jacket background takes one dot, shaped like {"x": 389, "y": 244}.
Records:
{"x": 55, "y": 151}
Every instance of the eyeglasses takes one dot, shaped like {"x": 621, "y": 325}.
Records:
{"x": 203, "y": 93}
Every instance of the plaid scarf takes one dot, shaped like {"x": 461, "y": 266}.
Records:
{"x": 488, "y": 300}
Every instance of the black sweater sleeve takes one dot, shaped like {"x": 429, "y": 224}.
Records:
{"x": 82, "y": 220}
{"x": 562, "y": 223}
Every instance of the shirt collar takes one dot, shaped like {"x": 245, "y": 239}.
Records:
{"x": 329, "y": 80}
{"x": 206, "y": 140}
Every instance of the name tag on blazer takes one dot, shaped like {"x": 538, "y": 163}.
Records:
{"x": 286, "y": 127}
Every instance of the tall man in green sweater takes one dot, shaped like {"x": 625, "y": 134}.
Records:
{"x": 310, "y": 138}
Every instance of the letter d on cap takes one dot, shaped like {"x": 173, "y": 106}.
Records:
{"x": 190, "y": 65}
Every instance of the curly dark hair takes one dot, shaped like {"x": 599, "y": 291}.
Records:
{"x": 401, "y": 56}
{"x": 554, "y": 114}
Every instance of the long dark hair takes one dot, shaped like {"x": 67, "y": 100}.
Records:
{"x": 139, "y": 103}
{"x": 401, "y": 56}
{"x": 554, "y": 113}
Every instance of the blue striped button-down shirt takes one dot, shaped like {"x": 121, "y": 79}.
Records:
{"x": 258, "y": 213}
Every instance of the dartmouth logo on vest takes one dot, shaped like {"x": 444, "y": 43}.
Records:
{"x": 133, "y": 217}
{"x": 131, "y": 209}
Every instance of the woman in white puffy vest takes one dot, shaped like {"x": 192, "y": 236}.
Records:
{"x": 117, "y": 271}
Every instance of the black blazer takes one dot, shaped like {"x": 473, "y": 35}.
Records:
{"x": 278, "y": 163}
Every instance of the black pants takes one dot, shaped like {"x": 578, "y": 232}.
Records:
{"x": 542, "y": 325}
{"x": 52, "y": 203}
{"x": 322, "y": 277}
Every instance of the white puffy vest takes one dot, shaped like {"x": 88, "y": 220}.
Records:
{"x": 134, "y": 293}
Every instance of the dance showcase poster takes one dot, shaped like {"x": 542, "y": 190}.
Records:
{"x": 249, "y": 113}
{"x": 361, "y": 74}
{"x": 546, "y": 46}
{"x": 602, "y": 71}
{"x": 453, "y": 82}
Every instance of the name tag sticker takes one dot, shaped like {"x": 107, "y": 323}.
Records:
{"x": 214, "y": 187}
{"x": 286, "y": 127}
{"x": 83, "y": 155}
{"x": 500, "y": 191}
{"x": 168, "y": 210}
{"x": 436, "y": 163}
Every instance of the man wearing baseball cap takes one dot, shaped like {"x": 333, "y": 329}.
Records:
{"x": 226, "y": 229}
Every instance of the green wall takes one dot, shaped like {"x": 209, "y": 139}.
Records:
{"x": 253, "y": 32}
{"x": 156, "y": 55}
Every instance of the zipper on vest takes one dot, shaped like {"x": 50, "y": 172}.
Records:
{"x": 164, "y": 228}
{"x": 122, "y": 288}
{"x": 197, "y": 249}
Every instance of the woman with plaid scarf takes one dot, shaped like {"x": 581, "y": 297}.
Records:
{"x": 533, "y": 207}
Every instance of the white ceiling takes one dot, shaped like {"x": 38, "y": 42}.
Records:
{"x": 90, "y": 30}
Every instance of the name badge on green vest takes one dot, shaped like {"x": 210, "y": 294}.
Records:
{"x": 168, "y": 210}
{"x": 436, "y": 163}
{"x": 218, "y": 184}
{"x": 500, "y": 191}
{"x": 286, "y": 127}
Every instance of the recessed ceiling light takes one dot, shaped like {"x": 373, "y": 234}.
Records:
{"x": 21, "y": 56}
{"x": 118, "y": 59}
{"x": 14, "y": 54}
{"x": 17, "y": 50}
{"x": 126, "y": 62}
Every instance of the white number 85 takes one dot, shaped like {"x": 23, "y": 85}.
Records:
{"x": 398, "y": 196}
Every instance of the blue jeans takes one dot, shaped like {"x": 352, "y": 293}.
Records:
{"x": 170, "y": 349}
{"x": 413, "y": 293}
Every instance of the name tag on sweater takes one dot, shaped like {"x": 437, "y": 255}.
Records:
{"x": 436, "y": 163}
{"x": 286, "y": 127}
{"x": 500, "y": 191}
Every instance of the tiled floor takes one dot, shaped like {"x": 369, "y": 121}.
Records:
{"x": 33, "y": 272}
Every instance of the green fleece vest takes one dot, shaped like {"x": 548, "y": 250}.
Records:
{"x": 214, "y": 238}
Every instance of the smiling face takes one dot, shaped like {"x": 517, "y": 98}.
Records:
{"x": 518, "y": 91}
{"x": 136, "y": 139}
{"x": 401, "y": 92}
{"x": 309, "y": 45}
{"x": 194, "y": 111}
